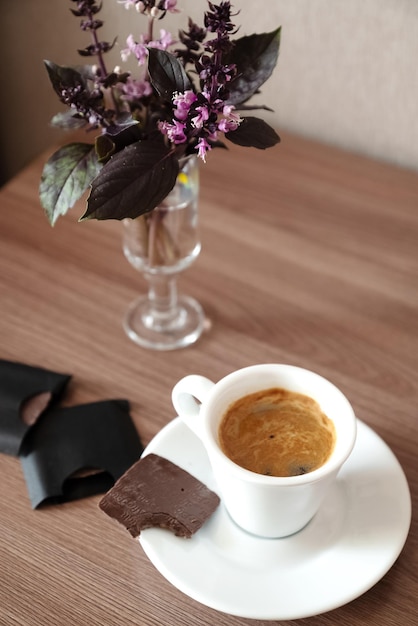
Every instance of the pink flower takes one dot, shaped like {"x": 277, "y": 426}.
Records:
{"x": 165, "y": 40}
{"x": 202, "y": 148}
{"x": 135, "y": 89}
{"x": 138, "y": 49}
{"x": 183, "y": 102}
{"x": 230, "y": 121}
{"x": 202, "y": 117}
{"x": 171, "y": 6}
{"x": 175, "y": 131}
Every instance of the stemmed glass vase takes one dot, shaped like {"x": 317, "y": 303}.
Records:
{"x": 161, "y": 244}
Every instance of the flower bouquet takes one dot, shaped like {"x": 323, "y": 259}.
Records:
{"x": 191, "y": 94}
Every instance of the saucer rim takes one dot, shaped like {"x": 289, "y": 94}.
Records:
{"x": 149, "y": 539}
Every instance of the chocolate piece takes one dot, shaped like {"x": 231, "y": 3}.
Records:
{"x": 25, "y": 393}
{"x": 156, "y": 492}
{"x": 79, "y": 451}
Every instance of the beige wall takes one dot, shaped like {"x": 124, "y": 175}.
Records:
{"x": 347, "y": 71}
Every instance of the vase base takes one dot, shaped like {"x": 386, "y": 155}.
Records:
{"x": 149, "y": 331}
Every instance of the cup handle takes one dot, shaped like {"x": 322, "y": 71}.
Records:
{"x": 187, "y": 396}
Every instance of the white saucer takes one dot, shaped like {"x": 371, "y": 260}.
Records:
{"x": 349, "y": 545}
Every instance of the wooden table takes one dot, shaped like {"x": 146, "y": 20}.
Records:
{"x": 309, "y": 257}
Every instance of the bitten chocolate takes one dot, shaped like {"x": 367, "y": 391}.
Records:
{"x": 155, "y": 492}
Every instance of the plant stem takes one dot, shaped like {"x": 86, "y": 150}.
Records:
{"x": 101, "y": 60}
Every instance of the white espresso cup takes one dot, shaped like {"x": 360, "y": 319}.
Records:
{"x": 267, "y": 506}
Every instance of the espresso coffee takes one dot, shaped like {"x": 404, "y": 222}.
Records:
{"x": 277, "y": 432}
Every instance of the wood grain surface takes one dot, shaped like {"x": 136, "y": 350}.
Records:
{"x": 309, "y": 257}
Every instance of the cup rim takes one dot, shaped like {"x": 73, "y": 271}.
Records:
{"x": 331, "y": 465}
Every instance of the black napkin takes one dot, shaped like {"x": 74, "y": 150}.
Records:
{"x": 79, "y": 451}
{"x": 25, "y": 394}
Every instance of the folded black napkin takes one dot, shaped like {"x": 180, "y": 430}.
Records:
{"x": 79, "y": 451}
{"x": 26, "y": 392}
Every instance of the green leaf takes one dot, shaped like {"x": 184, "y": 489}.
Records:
{"x": 67, "y": 121}
{"x": 254, "y": 133}
{"x": 65, "y": 177}
{"x": 255, "y": 57}
{"x": 105, "y": 147}
{"x": 167, "y": 74}
{"x": 133, "y": 182}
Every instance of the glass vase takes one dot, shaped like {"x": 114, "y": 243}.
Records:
{"x": 160, "y": 245}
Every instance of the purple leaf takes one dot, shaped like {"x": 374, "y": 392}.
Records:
{"x": 254, "y": 133}
{"x": 255, "y": 57}
{"x": 167, "y": 74}
{"x": 133, "y": 182}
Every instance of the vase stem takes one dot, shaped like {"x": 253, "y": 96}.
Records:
{"x": 163, "y": 312}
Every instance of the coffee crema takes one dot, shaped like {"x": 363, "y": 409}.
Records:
{"x": 277, "y": 432}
